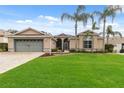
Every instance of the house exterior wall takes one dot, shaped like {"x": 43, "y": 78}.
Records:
{"x": 80, "y": 42}
{"x": 96, "y": 43}
{"x": 99, "y": 44}
{"x": 47, "y": 42}
{"x": 72, "y": 44}
{"x": 11, "y": 44}
{"x": 53, "y": 44}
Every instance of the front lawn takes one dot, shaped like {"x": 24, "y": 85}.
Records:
{"x": 74, "y": 70}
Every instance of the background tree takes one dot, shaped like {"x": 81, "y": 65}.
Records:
{"x": 76, "y": 17}
{"x": 12, "y": 31}
{"x": 109, "y": 11}
{"x": 109, "y": 32}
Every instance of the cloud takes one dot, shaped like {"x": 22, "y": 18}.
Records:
{"x": 24, "y": 21}
{"x": 49, "y": 18}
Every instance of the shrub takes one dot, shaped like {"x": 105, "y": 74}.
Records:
{"x": 122, "y": 51}
{"x": 47, "y": 54}
{"x": 3, "y": 47}
{"x": 109, "y": 47}
{"x": 72, "y": 50}
{"x": 54, "y": 50}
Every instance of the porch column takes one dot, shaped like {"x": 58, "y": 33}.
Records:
{"x": 62, "y": 39}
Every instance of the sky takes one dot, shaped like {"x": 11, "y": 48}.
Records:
{"x": 47, "y": 18}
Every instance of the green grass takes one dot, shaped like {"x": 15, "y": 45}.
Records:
{"x": 74, "y": 70}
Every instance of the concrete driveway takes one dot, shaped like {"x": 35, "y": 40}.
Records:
{"x": 10, "y": 60}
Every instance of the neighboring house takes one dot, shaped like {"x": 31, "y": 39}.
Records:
{"x": 31, "y": 40}
{"x": 118, "y": 43}
{"x": 3, "y": 36}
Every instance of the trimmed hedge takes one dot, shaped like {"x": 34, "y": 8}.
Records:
{"x": 3, "y": 47}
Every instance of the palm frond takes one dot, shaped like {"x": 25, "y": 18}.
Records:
{"x": 117, "y": 33}
{"x": 84, "y": 18}
{"x": 80, "y": 8}
{"x": 66, "y": 16}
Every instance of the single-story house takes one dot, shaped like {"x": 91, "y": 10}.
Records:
{"x": 31, "y": 40}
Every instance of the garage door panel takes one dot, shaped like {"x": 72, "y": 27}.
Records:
{"x": 28, "y": 45}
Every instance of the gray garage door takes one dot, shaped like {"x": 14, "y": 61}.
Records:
{"x": 27, "y": 45}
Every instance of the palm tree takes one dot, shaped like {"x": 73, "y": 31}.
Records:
{"x": 109, "y": 32}
{"x": 78, "y": 16}
{"x": 109, "y": 11}
{"x": 12, "y": 31}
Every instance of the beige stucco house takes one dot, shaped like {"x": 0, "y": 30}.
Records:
{"x": 31, "y": 40}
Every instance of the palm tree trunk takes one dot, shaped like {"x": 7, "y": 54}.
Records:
{"x": 104, "y": 24}
{"x": 76, "y": 35}
{"x": 92, "y": 42}
{"x": 107, "y": 39}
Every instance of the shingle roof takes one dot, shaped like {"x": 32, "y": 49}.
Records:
{"x": 88, "y": 31}
{"x": 63, "y": 35}
{"x": 116, "y": 40}
{"x": 42, "y": 32}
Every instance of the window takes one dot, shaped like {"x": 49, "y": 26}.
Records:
{"x": 87, "y": 42}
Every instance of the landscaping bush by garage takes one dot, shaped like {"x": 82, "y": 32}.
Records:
{"x": 3, "y": 47}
